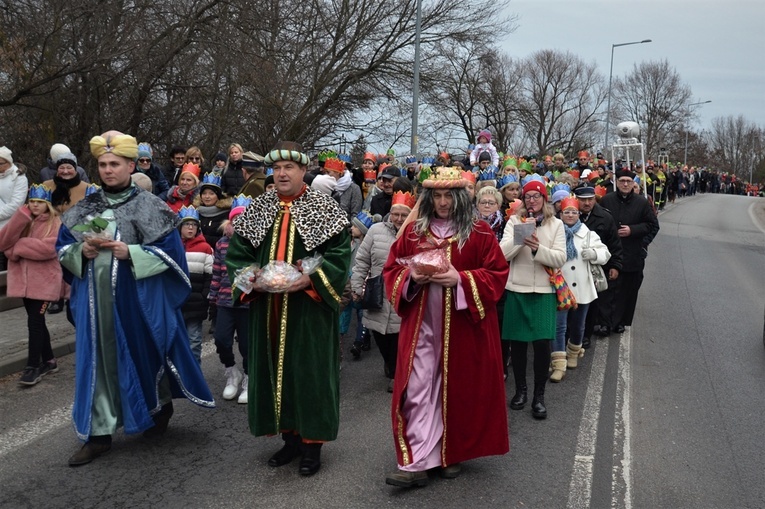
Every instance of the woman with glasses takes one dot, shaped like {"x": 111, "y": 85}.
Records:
{"x": 145, "y": 164}
{"x": 194, "y": 155}
{"x": 488, "y": 202}
{"x": 531, "y": 302}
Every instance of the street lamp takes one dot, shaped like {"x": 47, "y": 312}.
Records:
{"x": 685, "y": 158}
{"x": 610, "y": 76}
{"x": 416, "y": 93}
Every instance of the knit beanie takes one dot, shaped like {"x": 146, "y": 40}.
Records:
{"x": 5, "y": 153}
{"x": 57, "y": 149}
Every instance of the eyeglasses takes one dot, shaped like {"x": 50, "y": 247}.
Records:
{"x": 195, "y": 158}
{"x": 625, "y": 181}
{"x": 570, "y": 212}
{"x": 144, "y": 160}
{"x": 532, "y": 197}
{"x": 487, "y": 202}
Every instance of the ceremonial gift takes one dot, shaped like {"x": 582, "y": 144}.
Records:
{"x": 276, "y": 276}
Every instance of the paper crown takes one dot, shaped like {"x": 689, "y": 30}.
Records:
{"x": 370, "y": 176}
{"x": 506, "y": 180}
{"x": 512, "y": 208}
{"x": 92, "y": 188}
{"x": 561, "y": 187}
{"x": 428, "y": 161}
{"x": 188, "y": 214}
{"x": 326, "y": 154}
{"x": 550, "y": 175}
{"x": 594, "y": 175}
{"x": 269, "y": 171}
{"x": 532, "y": 177}
{"x": 334, "y": 164}
{"x": 404, "y": 171}
{"x": 40, "y": 192}
{"x": 583, "y": 154}
{"x": 443, "y": 177}
{"x": 344, "y": 158}
{"x": 410, "y": 160}
{"x": 574, "y": 174}
{"x": 370, "y": 156}
{"x": 525, "y": 166}
{"x": 390, "y": 152}
{"x": 381, "y": 168}
{"x": 191, "y": 168}
{"x": 488, "y": 173}
{"x": 240, "y": 200}
{"x": 211, "y": 179}
{"x": 365, "y": 219}
{"x": 401, "y": 198}
{"x": 569, "y": 202}
{"x": 600, "y": 191}
{"x": 469, "y": 176}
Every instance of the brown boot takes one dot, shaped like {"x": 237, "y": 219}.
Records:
{"x": 451, "y": 471}
{"x": 558, "y": 364}
{"x": 93, "y": 448}
{"x": 407, "y": 479}
{"x": 573, "y": 352}
{"x": 161, "y": 420}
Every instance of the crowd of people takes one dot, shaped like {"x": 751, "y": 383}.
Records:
{"x": 453, "y": 265}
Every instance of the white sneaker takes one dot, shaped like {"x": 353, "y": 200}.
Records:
{"x": 233, "y": 379}
{"x": 243, "y": 395}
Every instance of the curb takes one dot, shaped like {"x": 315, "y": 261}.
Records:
{"x": 16, "y": 362}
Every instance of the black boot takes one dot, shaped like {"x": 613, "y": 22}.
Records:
{"x": 520, "y": 398}
{"x": 93, "y": 448}
{"x": 288, "y": 452}
{"x": 538, "y": 409}
{"x": 161, "y": 420}
{"x": 311, "y": 461}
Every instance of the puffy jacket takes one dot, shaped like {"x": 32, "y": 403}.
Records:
{"x": 212, "y": 217}
{"x": 13, "y": 193}
{"x": 527, "y": 273}
{"x": 199, "y": 257}
{"x": 33, "y": 268}
{"x": 232, "y": 178}
{"x": 350, "y": 200}
{"x": 370, "y": 258}
{"x": 220, "y": 287}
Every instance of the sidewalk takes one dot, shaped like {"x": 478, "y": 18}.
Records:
{"x": 14, "y": 338}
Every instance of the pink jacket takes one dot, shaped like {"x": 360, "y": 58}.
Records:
{"x": 33, "y": 268}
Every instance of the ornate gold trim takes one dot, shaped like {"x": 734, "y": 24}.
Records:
{"x": 326, "y": 283}
{"x": 447, "y": 325}
{"x": 476, "y": 296}
{"x": 280, "y": 363}
{"x": 400, "y": 429}
{"x": 395, "y": 288}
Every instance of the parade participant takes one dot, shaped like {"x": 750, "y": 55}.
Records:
{"x": 531, "y": 302}
{"x": 381, "y": 203}
{"x": 346, "y": 192}
{"x": 637, "y": 227}
{"x": 294, "y": 364}
{"x": 28, "y": 241}
{"x": 448, "y": 398}
{"x": 583, "y": 247}
{"x": 68, "y": 188}
{"x": 488, "y": 201}
{"x": 133, "y": 354}
{"x": 146, "y": 166}
{"x": 213, "y": 208}
{"x": 184, "y": 193}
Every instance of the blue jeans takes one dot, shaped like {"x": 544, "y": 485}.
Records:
{"x": 559, "y": 343}
{"x": 194, "y": 330}
{"x": 577, "y": 319}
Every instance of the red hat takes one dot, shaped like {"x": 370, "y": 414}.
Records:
{"x": 536, "y": 185}
{"x": 334, "y": 164}
{"x": 570, "y": 202}
{"x": 192, "y": 169}
{"x": 574, "y": 174}
{"x": 469, "y": 175}
{"x": 600, "y": 191}
{"x": 401, "y": 198}
{"x": 369, "y": 156}
{"x": 583, "y": 153}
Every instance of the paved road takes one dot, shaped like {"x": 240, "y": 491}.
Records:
{"x": 668, "y": 415}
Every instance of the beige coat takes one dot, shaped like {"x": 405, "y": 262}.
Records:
{"x": 370, "y": 258}
{"x": 527, "y": 273}
{"x": 76, "y": 194}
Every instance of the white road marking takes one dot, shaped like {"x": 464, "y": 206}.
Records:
{"x": 25, "y": 433}
{"x": 580, "y": 488}
{"x": 621, "y": 478}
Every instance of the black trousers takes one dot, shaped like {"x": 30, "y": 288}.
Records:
{"x": 626, "y": 298}
{"x": 388, "y": 346}
{"x": 542, "y": 351}
{"x": 232, "y": 320}
{"x": 39, "y": 338}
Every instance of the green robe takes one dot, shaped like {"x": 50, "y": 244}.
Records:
{"x": 294, "y": 373}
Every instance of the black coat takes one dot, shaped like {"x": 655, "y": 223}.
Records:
{"x": 232, "y": 180}
{"x": 380, "y": 204}
{"x": 600, "y": 221}
{"x": 634, "y": 211}
{"x": 196, "y": 305}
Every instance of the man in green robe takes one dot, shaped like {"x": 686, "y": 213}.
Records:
{"x": 294, "y": 349}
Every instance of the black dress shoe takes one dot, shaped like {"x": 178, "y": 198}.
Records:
{"x": 520, "y": 399}
{"x": 311, "y": 460}
{"x": 586, "y": 343}
{"x": 538, "y": 409}
{"x": 603, "y": 332}
{"x": 93, "y": 448}
{"x": 161, "y": 420}
{"x": 619, "y": 329}
{"x": 288, "y": 452}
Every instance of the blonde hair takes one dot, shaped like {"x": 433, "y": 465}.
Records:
{"x": 234, "y": 145}
{"x": 52, "y": 222}
{"x": 491, "y": 191}
{"x": 195, "y": 151}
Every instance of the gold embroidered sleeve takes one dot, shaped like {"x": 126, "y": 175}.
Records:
{"x": 327, "y": 285}
{"x": 476, "y": 296}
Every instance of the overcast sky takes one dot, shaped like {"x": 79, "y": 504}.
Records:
{"x": 717, "y": 47}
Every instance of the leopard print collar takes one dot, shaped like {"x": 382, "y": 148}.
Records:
{"x": 317, "y": 218}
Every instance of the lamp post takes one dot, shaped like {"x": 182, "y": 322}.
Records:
{"x": 416, "y": 93}
{"x": 610, "y": 76}
{"x": 685, "y": 157}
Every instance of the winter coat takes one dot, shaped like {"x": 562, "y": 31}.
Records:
{"x": 76, "y": 194}
{"x": 350, "y": 200}
{"x": 370, "y": 259}
{"x": 49, "y": 172}
{"x": 220, "y": 286}
{"x": 255, "y": 185}
{"x": 599, "y": 220}
{"x": 199, "y": 258}
{"x": 484, "y": 147}
{"x": 634, "y": 211}
{"x": 175, "y": 201}
{"x": 13, "y": 193}
{"x": 577, "y": 271}
{"x": 33, "y": 268}
{"x": 527, "y": 270}
{"x": 232, "y": 179}
{"x": 159, "y": 182}
{"x": 212, "y": 217}
{"x": 381, "y": 204}
{"x": 172, "y": 173}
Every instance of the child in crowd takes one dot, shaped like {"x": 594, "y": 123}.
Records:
{"x": 199, "y": 258}
{"x": 219, "y": 163}
{"x": 230, "y": 319}
{"x": 484, "y": 145}
{"x": 34, "y": 274}
{"x": 359, "y": 227}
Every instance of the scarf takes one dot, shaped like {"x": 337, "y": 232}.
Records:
{"x": 570, "y": 231}
{"x": 61, "y": 194}
{"x": 343, "y": 183}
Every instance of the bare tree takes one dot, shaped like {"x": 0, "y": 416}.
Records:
{"x": 737, "y": 145}
{"x": 653, "y": 95}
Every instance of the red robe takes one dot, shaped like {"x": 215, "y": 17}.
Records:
{"x": 474, "y": 411}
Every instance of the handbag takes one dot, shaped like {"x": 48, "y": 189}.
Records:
{"x": 598, "y": 274}
{"x": 563, "y": 293}
{"x": 373, "y": 293}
